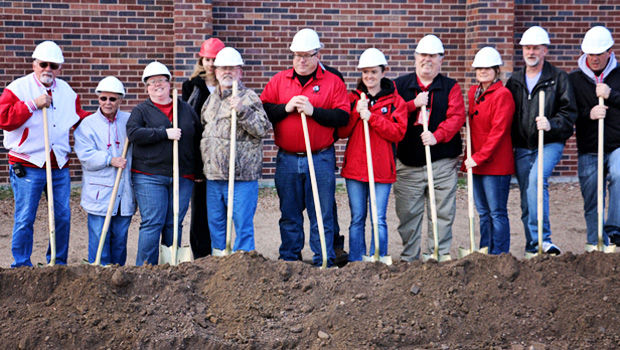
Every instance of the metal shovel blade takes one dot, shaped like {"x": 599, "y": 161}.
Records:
{"x": 605, "y": 248}
{"x": 438, "y": 258}
{"x": 184, "y": 254}
{"x": 220, "y": 252}
{"x": 386, "y": 259}
{"x": 463, "y": 252}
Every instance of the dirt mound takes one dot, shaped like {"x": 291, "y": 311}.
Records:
{"x": 245, "y": 301}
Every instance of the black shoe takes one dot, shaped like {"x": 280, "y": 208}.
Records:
{"x": 342, "y": 257}
{"x": 614, "y": 239}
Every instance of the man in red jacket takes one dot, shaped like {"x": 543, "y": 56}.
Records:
{"x": 306, "y": 88}
{"x": 21, "y": 118}
{"x": 446, "y": 109}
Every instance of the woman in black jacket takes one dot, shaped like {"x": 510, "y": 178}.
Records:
{"x": 195, "y": 92}
{"x": 151, "y": 133}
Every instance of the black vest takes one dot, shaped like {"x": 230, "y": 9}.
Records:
{"x": 411, "y": 150}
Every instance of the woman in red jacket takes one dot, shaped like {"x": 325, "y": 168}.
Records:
{"x": 386, "y": 114}
{"x": 491, "y": 108}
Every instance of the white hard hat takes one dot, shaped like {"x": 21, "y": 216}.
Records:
{"x": 306, "y": 40}
{"x": 110, "y": 84}
{"x": 372, "y": 58}
{"x": 48, "y": 51}
{"x": 155, "y": 68}
{"x": 429, "y": 44}
{"x": 487, "y": 57}
{"x": 228, "y": 57}
{"x": 597, "y": 40}
{"x": 535, "y": 36}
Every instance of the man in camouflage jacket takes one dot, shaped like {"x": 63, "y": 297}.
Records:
{"x": 252, "y": 126}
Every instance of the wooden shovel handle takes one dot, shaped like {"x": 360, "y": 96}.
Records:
{"x": 50, "y": 190}
{"x": 231, "y": 173}
{"x": 431, "y": 185}
{"x": 108, "y": 216}
{"x": 371, "y": 187}
{"x": 539, "y": 178}
{"x": 315, "y": 191}
{"x": 175, "y": 178}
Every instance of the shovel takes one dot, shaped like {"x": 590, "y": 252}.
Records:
{"x": 231, "y": 179}
{"x": 611, "y": 248}
{"x": 431, "y": 194}
{"x": 463, "y": 252}
{"x": 315, "y": 191}
{"x": 108, "y": 215}
{"x": 373, "y": 200}
{"x": 539, "y": 178}
{"x": 174, "y": 255}
{"x": 50, "y": 190}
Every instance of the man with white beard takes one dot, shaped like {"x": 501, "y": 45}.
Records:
{"x": 557, "y": 122}
{"x": 21, "y": 118}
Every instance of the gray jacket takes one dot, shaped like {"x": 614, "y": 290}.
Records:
{"x": 252, "y": 126}
{"x": 96, "y": 141}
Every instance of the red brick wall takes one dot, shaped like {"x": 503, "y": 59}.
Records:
{"x": 111, "y": 37}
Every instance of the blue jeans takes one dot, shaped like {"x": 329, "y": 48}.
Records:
{"x": 587, "y": 168}
{"x": 292, "y": 180}
{"x": 27, "y": 194}
{"x": 526, "y": 164}
{"x": 154, "y": 197}
{"x": 115, "y": 245}
{"x": 359, "y": 199}
{"x": 244, "y": 207}
{"x": 491, "y": 197}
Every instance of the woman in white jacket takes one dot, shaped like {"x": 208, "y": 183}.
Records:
{"x": 99, "y": 142}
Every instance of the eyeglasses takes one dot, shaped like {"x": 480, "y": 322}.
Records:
{"x": 105, "y": 98}
{"x": 156, "y": 81}
{"x": 52, "y": 65}
{"x": 304, "y": 56}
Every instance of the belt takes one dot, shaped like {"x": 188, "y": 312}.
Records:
{"x": 304, "y": 154}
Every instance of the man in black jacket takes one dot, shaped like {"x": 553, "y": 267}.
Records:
{"x": 557, "y": 122}
{"x": 598, "y": 76}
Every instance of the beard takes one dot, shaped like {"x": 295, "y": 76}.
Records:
{"x": 532, "y": 62}
{"x": 46, "y": 79}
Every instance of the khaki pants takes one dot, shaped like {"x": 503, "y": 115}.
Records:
{"x": 410, "y": 189}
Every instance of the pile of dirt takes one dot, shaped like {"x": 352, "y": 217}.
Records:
{"x": 246, "y": 301}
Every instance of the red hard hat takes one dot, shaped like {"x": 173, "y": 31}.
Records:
{"x": 211, "y": 47}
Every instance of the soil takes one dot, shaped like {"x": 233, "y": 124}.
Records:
{"x": 252, "y": 301}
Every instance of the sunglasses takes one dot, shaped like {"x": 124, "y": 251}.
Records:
{"x": 52, "y": 65}
{"x": 105, "y": 98}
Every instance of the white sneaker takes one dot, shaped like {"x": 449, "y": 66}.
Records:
{"x": 550, "y": 248}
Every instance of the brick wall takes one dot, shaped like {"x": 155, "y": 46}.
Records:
{"x": 111, "y": 37}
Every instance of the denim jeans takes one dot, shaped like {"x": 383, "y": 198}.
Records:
{"x": 292, "y": 180}
{"x": 27, "y": 194}
{"x": 526, "y": 165}
{"x": 115, "y": 246}
{"x": 491, "y": 197}
{"x": 244, "y": 207}
{"x": 587, "y": 168}
{"x": 154, "y": 197}
{"x": 359, "y": 199}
